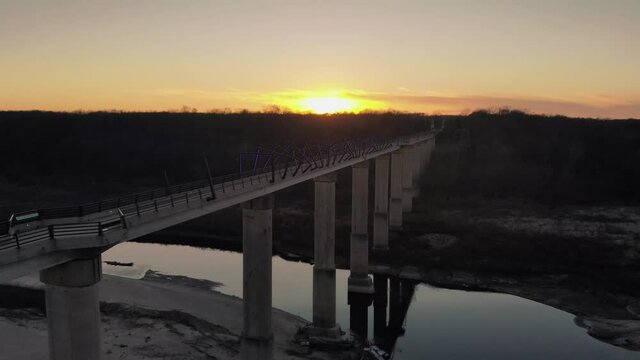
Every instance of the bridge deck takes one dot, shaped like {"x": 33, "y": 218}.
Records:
{"x": 46, "y": 243}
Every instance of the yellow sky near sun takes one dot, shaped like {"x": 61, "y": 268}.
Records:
{"x": 575, "y": 57}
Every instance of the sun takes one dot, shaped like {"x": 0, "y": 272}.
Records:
{"x": 324, "y": 101}
{"x": 327, "y": 105}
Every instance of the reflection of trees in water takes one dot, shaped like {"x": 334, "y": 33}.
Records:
{"x": 603, "y": 301}
{"x": 605, "y": 305}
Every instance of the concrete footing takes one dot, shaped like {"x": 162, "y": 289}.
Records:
{"x": 256, "y": 349}
{"x": 324, "y": 304}
{"x": 257, "y": 332}
{"x": 73, "y": 309}
{"x": 324, "y": 335}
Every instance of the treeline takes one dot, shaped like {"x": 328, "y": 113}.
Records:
{"x": 555, "y": 160}
{"x": 508, "y": 154}
{"x": 133, "y": 150}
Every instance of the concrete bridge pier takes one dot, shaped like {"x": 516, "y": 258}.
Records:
{"x": 359, "y": 280}
{"x": 426, "y": 154}
{"x": 73, "y": 309}
{"x": 381, "y": 214}
{"x": 395, "y": 191}
{"x": 431, "y": 145}
{"x": 418, "y": 162}
{"x": 257, "y": 332}
{"x": 422, "y": 162}
{"x": 324, "y": 268}
{"x": 407, "y": 178}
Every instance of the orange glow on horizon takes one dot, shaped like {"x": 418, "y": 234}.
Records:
{"x": 324, "y": 102}
{"x": 327, "y": 105}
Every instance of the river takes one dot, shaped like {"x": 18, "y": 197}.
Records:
{"x": 439, "y": 324}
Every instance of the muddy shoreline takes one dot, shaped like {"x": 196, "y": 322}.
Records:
{"x": 159, "y": 316}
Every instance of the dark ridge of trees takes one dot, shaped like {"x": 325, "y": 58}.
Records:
{"x": 111, "y": 153}
{"x": 504, "y": 154}
{"x": 548, "y": 159}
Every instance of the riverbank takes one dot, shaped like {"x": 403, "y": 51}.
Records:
{"x": 511, "y": 235}
{"x": 484, "y": 235}
{"x": 155, "y": 317}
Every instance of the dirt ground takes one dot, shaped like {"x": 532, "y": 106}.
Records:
{"x": 157, "y": 317}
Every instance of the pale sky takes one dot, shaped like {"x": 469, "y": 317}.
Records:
{"x": 573, "y": 57}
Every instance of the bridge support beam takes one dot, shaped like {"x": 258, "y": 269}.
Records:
{"x": 407, "y": 178}
{"x": 381, "y": 214}
{"x": 395, "y": 201}
{"x": 359, "y": 280}
{"x": 73, "y": 309}
{"x": 324, "y": 268}
{"x": 257, "y": 332}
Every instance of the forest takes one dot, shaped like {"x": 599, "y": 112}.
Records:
{"x": 546, "y": 159}
{"x": 499, "y": 154}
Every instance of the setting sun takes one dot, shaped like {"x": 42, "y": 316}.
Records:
{"x": 324, "y": 101}
{"x": 327, "y": 105}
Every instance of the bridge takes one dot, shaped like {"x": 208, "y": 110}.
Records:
{"x": 65, "y": 244}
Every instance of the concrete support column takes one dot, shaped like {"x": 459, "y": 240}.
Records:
{"x": 430, "y": 146}
{"x": 417, "y": 169}
{"x": 257, "y": 332}
{"x": 395, "y": 201}
{"x": 73, "y": 309}
{"x": 359, "y": 280}
{"x": 381, "y": 214}
{"x": 407, "y": 179}
{"x": 425, "y": 155}
{"x": 324, "y": 268}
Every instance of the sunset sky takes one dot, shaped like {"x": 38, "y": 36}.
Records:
{"x": 573, "y": 57}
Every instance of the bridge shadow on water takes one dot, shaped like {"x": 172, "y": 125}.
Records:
{"x": 391, "y": 302}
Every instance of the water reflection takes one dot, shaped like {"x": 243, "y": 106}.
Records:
{"x": 359, "y": 314}
{"x": 392, "y": 295}
{"x": 409, "y": 319}
{"x": 380, "y": 301}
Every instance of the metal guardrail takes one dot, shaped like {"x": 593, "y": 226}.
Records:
{"x": 57, "y": 231}
{"x": 280, "y": 165}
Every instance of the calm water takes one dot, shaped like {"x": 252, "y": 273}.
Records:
{"x": 440, "y": 323}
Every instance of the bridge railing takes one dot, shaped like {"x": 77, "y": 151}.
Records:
{"x": 160, "y": 198}
{"x": 57, "y": 231}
